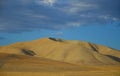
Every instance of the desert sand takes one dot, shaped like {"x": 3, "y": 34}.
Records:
{"x": 57, "y": 57}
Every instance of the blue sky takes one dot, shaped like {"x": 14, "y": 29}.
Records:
{"x": 96, "y": 21}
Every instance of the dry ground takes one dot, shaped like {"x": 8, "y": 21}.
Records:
{"x": 20, "y": 65}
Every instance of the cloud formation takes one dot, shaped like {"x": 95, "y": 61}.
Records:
{"x": 46, "y": 2}
{"x": 28, "y": 15}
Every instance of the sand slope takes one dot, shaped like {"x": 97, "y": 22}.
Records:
{"x": 75, "y": 52}
{"x": 17, "y": 65}
{"x": 49, "y": 57}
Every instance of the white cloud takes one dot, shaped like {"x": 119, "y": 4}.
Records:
{"x": 46, "y": 2}
{"x": 37, "y": 16}
{"x": 74, "y": 7}
{"x": 72, "y": 10}
{"x": 73, "y": 24}
{"x": 115, "y": 19}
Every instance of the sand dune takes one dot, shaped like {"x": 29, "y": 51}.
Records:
{"x": 60, "y": 57}
{"x": 76, "y": 52}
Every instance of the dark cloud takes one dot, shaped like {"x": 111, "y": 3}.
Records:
{"x": 28, "y": 15}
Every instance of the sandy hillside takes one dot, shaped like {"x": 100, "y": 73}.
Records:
{"x": 57, "y": 57}
{"x": 17, "y": 65}
{"x": 75, "y": 52}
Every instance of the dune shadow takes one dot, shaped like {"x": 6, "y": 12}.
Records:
{"x": 93, "y": 47}
{"x": 56, "y": 39}
{"x": 28, "y": 52}
{"x": 114, "y": 58}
